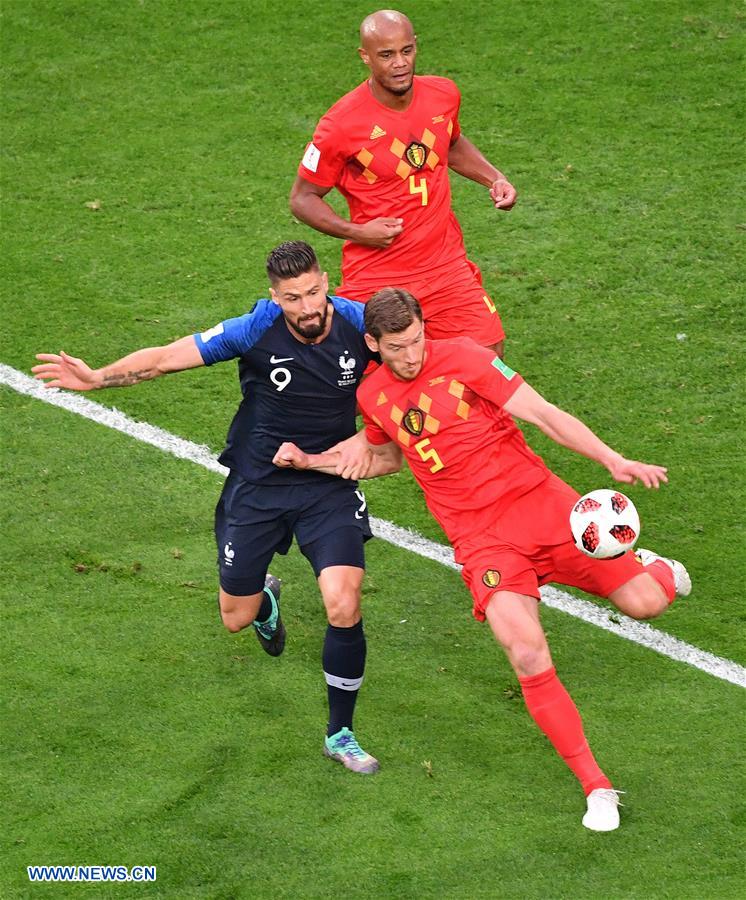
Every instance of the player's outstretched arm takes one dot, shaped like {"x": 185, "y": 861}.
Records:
{"x": 307, "y": 204}
{"x": 290, "y": 456}
{"x": 381, "y": 460}
{"x": 465, "y": 158}
{"x": 59, "y": 370}
{"x": 387, "y": 459}
{"x": 349, "y": 458}
{"x": 560, "y": 426}
{"x": 358, "y": 458}
{"x": 354, "y": 456}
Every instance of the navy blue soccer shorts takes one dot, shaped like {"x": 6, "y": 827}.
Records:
{"x": 329, "y": 519}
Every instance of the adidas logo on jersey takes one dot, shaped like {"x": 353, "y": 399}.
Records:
{"x": 376, "y": 133}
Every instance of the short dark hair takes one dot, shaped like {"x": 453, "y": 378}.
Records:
{"x": 390, "y": 311}
{"x": 291, "y": 259}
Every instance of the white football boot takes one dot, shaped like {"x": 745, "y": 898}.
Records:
{"x": 603, "y": 810}
{"x": 681, "y": 581}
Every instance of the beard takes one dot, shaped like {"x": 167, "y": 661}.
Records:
{"x": 399, "y": 89}
{"x": 311, "y": 328}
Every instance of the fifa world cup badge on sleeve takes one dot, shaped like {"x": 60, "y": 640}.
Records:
{"x": 311, "y": 157}
{"x": 501, "y": 367}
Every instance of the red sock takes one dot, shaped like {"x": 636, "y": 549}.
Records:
{"x": 663, "y": 574}
{"x": 552, "y": 709}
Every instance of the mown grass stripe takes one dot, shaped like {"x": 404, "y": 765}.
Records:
{"x": 614, "y": 622}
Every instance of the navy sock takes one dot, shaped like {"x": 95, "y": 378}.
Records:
{"x": 265, "y": 610}
{"x": 343, "y": 659}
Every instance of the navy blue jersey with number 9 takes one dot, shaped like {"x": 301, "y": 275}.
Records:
{"x": 304, "y": 393}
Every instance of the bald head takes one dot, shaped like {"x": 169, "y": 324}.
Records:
{"x": 383, "y": 22}
{"x": 388, "y": 47}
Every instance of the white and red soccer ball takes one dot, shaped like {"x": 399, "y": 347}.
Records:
{"x": 604, "y": 524}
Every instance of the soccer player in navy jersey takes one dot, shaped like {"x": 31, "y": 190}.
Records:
{"x": 301, "y": 355}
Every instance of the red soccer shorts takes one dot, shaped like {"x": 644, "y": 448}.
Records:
{"x": 454, "y": 303}
{"x": 530, "y": 544}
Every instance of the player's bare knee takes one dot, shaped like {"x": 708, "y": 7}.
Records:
{"x": 235, "y": 612}
{"x": 528, "y": 658}
{"x": 650, "y": 608}
{"x": 232, "y": 623}
{"x": 342, "y": 609}
{"x": 344, "y": 615}
{"x": 647, "y": 601}
{"x": 233, "y": 619}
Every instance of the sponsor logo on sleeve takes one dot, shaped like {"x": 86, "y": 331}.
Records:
{"x": 311, "y": 157}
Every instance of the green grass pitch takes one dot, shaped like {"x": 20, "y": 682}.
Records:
{"x": 148, "y": 147}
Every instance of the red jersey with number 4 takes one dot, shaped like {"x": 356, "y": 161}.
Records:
{"x": 467, "y": 454}
{"x": 394, "y": 164}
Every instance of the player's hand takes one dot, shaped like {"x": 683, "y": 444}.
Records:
{"x": 63, "y": 371}
{"x": 354, "y": 458}
{"x": 379, "y": 232}
{"x": 630, "y": 472}
{"x": 503, "y": 194}
{"x": 290, "y": 456}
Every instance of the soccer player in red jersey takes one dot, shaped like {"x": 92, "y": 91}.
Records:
{"x": 387, "y": 147}
{"x": 448, "y": 407}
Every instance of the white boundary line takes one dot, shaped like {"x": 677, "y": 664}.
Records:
{"x": 616, "y": 623}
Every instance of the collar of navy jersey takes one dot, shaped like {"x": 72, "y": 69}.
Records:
{"x": 348, "y": 311}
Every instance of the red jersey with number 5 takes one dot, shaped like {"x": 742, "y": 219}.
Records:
{"x": 394, "y": 164}
{"x": 467, "y": 454}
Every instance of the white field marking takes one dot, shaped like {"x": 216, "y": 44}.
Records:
{"x": 615, "y": 622}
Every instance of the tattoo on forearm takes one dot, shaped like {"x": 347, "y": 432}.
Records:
{"x": 124, "y": 379}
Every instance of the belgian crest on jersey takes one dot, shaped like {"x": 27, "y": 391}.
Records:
{"x": 414, "y": 421}
{"x": 415, "y": 154}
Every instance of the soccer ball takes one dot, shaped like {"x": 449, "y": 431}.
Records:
{"x": 604, "y": 524}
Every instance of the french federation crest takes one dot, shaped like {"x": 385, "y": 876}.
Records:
{"x": 414, "y": 421}
{"x": 415, "y": 154}
{"x": 347, "y": 369}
